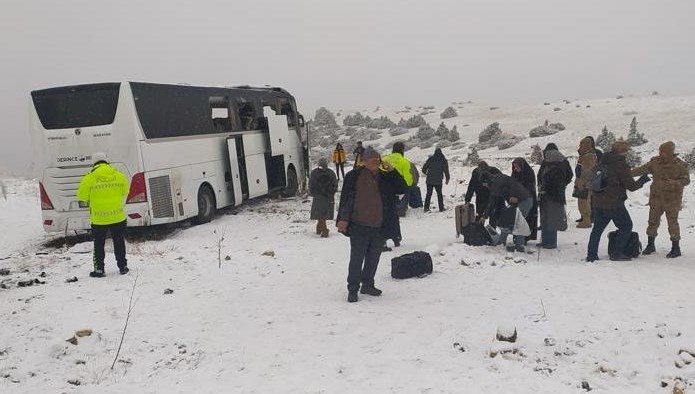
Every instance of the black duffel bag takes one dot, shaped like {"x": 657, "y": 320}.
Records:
{"x": 632, "y": 249}
{"x": 411, "y": 265}
{"x": 475, "y": 234}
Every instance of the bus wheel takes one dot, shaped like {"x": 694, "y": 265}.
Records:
{"x": 206, "y": 205}
{"x": 292, "y": 184}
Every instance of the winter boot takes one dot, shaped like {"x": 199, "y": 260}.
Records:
{"x": 97, "y": 274}
{"x": 675, "y": 250}
{"x": 650, "y": 246}
{"x": 370, "y": 290}
{"x": 352, "y": 296}
{"x": 124, "y": 270}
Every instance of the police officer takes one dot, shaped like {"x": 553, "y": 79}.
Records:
{"x": 105, "y": 189}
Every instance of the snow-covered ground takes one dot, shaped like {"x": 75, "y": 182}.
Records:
{"x": 261, "y": 322}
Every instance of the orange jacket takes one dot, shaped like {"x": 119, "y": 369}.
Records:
{"x": 339, "y": 156}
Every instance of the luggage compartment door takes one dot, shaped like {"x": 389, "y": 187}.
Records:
{"x": 234, "y": 164}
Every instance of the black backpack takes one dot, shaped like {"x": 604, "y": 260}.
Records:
{"x": 475, "y": 234}
{"x": 411, "y": 265}
{"x": 599, "y": 179}
{"x": 632, "y": 249}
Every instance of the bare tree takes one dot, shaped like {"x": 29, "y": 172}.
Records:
{"x": 127, "y": 318}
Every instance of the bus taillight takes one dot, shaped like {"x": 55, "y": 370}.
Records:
{"x": 46, "y": 203}
{"x": 138, "y": 192}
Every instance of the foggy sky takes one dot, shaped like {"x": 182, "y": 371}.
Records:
{"x": 348, "y": 54}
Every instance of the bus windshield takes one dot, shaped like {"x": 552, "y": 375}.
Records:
{"x": 77, "y": 106}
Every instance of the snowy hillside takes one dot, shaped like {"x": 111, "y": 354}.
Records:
{"x": 660, "y": 117}
{"x": 254, "y": 302}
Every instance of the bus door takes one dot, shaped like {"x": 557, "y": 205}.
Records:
{"x": 255, "y": 147}
{"x": 236, "y": 178}
{"x": 278, "y": 130}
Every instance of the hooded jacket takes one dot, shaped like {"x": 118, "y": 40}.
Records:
{"x": 401, "y": 164}
{"x": 670, "y": 176}
{"x": 502, "y": 188}
{"x": 586, "y": 163}
{"x": 105, "y": 189}
{"x": 619, "y": 180}
{"x": 436, "y": 167}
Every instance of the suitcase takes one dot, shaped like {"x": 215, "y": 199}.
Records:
{"x": 475, "y": 234}
{"x": 411, "y": 265}
{"x": 463, "y": 216}
{"x": 632, "y": 249}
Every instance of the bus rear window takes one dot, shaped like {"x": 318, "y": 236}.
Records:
{"x": 76, "y": 106}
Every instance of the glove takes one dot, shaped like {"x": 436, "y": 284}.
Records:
{"x": 643, "y": 179}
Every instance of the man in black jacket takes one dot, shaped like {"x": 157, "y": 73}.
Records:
{"x": 609, "y": 204}
{"x": 481, "y": 192}
{"x": 437, "y": 168}
{"x": 504, "y": 188}
{"x": 367, "y": 215}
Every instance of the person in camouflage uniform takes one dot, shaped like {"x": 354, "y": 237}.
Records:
{"x": 665, "y": 195}
{"x": 586, "y": 163}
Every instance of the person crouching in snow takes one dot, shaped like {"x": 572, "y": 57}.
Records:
{"x": 367, "y": 214}
{"x": 322, "y": 187}
{"x": 665, "y": 195}
{"x": 504, "y": 188}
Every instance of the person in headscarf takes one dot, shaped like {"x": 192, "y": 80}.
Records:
{"x": 551, "y": 196}
{"x": 523, "y": 173}
{"x": 322, "y": 187}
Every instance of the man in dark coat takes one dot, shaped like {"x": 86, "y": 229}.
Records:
{"x": 551, "y": 196}
{"x": 523, "y": 173}
{"x": 322, "y": 187}
{"x": 367, "y": 214}
{"x": 437, "y": 168}
{"x": 609, "y": 205}
{"x": 481, "y": 192}
{"x": 671, "y": 175}
{"x": 505, "y": 189}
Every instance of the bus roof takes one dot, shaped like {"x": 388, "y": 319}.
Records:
{"x": 263, "y": 90}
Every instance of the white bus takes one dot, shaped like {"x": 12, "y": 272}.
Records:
{"x": 187, "y": 150}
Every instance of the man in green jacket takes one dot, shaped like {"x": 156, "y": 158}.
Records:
{"x": 105, "y": 189}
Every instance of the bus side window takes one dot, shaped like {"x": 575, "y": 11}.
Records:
{"x": 220, "y": 112}
{"x": 286, "y": 109}
{"x": 247, "y": 116}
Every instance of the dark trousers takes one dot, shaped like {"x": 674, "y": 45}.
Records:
{"x": 366, "y": 244}
{"x": 428, "y": 196}
{"x": 602, "y": 217}
{"x": 549, "y": 239}
{"x": 341, "y": 167}
{"x": 99, "y": 233}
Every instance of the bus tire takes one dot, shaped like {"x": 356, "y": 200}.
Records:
{"x": 206, "y": 205}
{"x": 292, "y": 184}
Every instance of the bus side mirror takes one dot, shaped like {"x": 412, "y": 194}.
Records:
{"x": 301, "y": 121}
